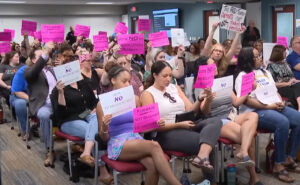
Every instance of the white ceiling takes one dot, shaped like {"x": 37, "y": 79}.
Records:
{"x": 115, "y": 2}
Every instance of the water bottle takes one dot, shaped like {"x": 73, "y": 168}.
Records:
{"x": 231, "y": 171}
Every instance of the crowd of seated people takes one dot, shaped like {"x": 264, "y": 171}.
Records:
{"x": 158, "y": 76}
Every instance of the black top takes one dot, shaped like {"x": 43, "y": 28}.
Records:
{"x": 71, "y": 38}
{"x": 77, "y": 101}
{"x": 93, "y": 82}
{"x": 250, "y": 37}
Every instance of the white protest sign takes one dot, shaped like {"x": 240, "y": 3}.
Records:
{"x": 267, "y": 50}
{"x": 232, "y": 18}
{"x": 223, "y": 86}
{"x": 118, "y": 102}
{"x": 178, "y": 37}
{"x": 186, "y": 40}
{"x": 267, "y": 94}
{"x": 68, "y": 73}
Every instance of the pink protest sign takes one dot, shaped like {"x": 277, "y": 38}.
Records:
{"x": 52, "y": 32}
{"x": 82, "y": 30}
{"x": 102, "y": 33}
{"x": 282, "y": 41}
{"x": 144, "y": 25}
{"x": 100, "y": 42}
{"x": 205, "y": 77}
{"x": 131, "y": 44}
{"x": 145, "y": 118}
{"x": 247, "y": 83}
{"x": 37, "y": 35}
{"x": 121, "y": 28}
{"x": 29, "y": 26}
{"x": 159, "y": 39}
{"x": 84, "y": 57}
{"x": 5, "y": 36}
{"x": 11, "y": 31}
{"x": 5, "y": 47}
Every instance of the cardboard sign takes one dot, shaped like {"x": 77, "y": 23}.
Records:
{"x": 232, "y": 18}
{"x": 177, "y": 36}
{"x": 82, "y": 30}
{"x": 118, "y": 102}
{"x": 100, "y": 42}
{"x": 223, "y": 86}
{"x": 247, "y": 83}
{"x": 205, "y": 77}
{"x": 5, "y": 47}
{"x": 145, "y": 118}
{"x": 267, "y": 94}
{"x": 38, "y": 35}
{"x": 5, "y": 36}
{"x": 283, "y": 41}
{"x": 29, "y": 26}
{"x": 144, "y": 25}
{"x": 131, "y": 44}
{"x": 53, "y": 32}
{"x": 68, "y": 73}
{"x": 121, "y": 28}
{"x": 159, "y": 39}
{"x": 11, "y": 31}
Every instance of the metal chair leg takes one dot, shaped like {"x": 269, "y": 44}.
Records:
{"x": 51, "y": 145}
{"x": 217, "y": 176}
{"x": 115, "y": 174}
{"x": 222, "y": 162}
{"x": 69, "y": 157}
{"x": 96, "y": 163}
{"x": 142, "y": 178}
{"x": 27, "y": 130}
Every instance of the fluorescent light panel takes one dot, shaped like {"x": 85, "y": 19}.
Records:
{"x": 99, "y": 3}
{"x": 12, "y": 2}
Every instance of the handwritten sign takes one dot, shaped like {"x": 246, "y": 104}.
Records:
{"x": 53, "y": 32}
{"x": 100, "y": 42}
{"x": 232, "y": 18}
{"x": 223, "y": 86}
{"x": 144, "y": 25}
{"x": 29, "y": 26}
{"x": 205, "y": 77}
{"x": 131, "y": 44}
{"x": 283, "y": 41}
{"x": 118, "y": 102}
{"x": 68, "y": 73}
{"x": 145, "y": 118}
{"x": 11, "y": 31}
{"x": 102, "y": 33}
{"x": 121, "y": 28}
{"x": 267, "y": 94}
{"x": 82, "y": 30}
{"x": 5, "y": 47}
{"x": 159, "y": 39}
{"x": 177, "y": 36}
{"x": 247, "y": 83}
{"x": 37, "y": 35}
{"x": 5, "y": 36}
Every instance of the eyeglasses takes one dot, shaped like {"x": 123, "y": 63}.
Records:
{"x": 217, "y": 50}
{"x": 171, "y": 98}
{"x": 257, "y": 57}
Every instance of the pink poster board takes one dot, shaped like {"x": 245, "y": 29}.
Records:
{"x": 205, "y": 77}
{"x": 37, "y": 35}
{"x": 283, "y": 41}
{"x": 247, "y": 83}
{"x": 82, "y": 30}
{"x": 145, "y": 118}
{"x": 5, "y": 36}
{"x": 144, "y": 25}
{"x": 100, "y": 42}
{"x": 159, "y": 39}
{"x": 131, "y": 44}
{"x": 121, "y": 28}
{"x": 52, "y": 32}
{"x": 5, "y": 47}
{"x": 29, "y": 26}
{"x": 11, "y": 31}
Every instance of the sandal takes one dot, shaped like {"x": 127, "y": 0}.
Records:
{"x": 88, "y": 160}
{"x": 204, "y": 164}
{"x": 293, "y": 167}
{"x": 283, "y": 176}
{"x": 246, "y": 162}
{"x": 107, "y": 181}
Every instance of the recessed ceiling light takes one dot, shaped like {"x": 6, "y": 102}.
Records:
{"x": 100, "y": 3}
{"x": 12, "y": 2}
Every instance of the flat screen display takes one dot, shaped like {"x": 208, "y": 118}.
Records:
{"x": 164, "y": 20}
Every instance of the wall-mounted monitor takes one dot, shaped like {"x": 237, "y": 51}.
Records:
{"x": 166, "y": 19}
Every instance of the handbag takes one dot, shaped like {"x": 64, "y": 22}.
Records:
{"x": 186, "y": 116}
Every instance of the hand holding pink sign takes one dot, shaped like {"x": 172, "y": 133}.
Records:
{"x": 29, "y": 27}
{"x": 247, "y": 83}
{"x": 282, "y": 41}
{"x": 159, "y": 39}
{"x": 5, "y": 47}
{"x": 131, "y": 44}
{"x": 144, "y": 25}
{"x": 37, "y": 35}
{"x": 5, "y": 36}
{"x": 84, "y": 57}
{"x": 11, "y": 31}
{"x": 121, "y": 28}
{"x": 145, "y": 118}
{"x": 100, "y": 42}
{"x": 82, "y": 30}
{"x": 205, "y": 77}
{"x": 52, "y": 32}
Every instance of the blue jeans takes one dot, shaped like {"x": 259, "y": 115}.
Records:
{"x": 21, "y": 111}
{"x": 280, "y": 123}
{"x": 84, "y": 129}
{"x": 44, "y": 114}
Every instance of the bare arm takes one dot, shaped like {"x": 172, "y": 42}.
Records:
{"x": 234, "y": 44}
{"x": 208, "y": 42}
{"x": 103, "y": 127}
{"x": 238, "y": 101}
{"x": 2, "y": 83}
{"x": 22, "y": 95}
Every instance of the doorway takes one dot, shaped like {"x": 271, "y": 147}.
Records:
{"x": 211, "y": 16}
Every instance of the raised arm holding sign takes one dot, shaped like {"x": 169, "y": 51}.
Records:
{"x": 29, "y": 27}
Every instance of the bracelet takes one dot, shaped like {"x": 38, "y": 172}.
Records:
{"x": 182, "y": 58}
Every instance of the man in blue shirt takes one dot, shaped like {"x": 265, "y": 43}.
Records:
{"x": 293, "y": 58}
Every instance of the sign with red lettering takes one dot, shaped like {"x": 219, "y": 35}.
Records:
{"x": 232, "y": 18}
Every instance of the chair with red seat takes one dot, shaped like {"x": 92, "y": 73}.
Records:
{"x": 185, "y": 160}
{"x": 259, "y": 131}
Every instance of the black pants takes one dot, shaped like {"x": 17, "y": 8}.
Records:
{"x": 5, "y": 93}
{"x": 291, "y": 92}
